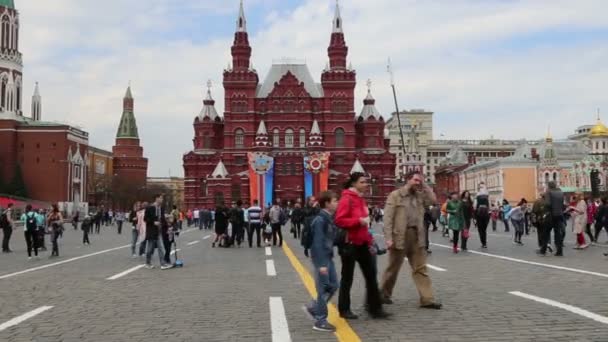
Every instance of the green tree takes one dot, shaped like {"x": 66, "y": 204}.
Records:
{"x": 17, "y": 185}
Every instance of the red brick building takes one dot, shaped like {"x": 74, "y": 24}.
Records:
{"x": 288, "y": 117}
{"x": 129, "y": 164}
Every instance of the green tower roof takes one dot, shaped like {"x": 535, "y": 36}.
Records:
{"x": 128, "y": 126}
{"x": 7, "y": 3}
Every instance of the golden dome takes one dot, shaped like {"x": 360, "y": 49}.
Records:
{"x": 599, "y": 130}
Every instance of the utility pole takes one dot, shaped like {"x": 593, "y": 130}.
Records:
{"x": 390, "y": 71}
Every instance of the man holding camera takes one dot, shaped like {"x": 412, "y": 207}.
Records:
{"x": 404, "y": 231}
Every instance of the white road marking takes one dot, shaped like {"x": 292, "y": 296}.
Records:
{"x": 436, "y": 268}
{"x": 270, "y": 269}
{"x": 193, "y": 243}
{"x": 4, "y": 276}
{"x": 206, "y": 237}
{"x": 569, "y": 269}
{"x": 278, "y": 321}
{"x": 268, "y": 251}
{"x": 121, "y": 274}
{"x": 573, "y": 309}
{"x": 23, "y": 317}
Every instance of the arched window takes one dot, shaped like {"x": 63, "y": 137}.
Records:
{"x": 3, "y": 95}
{"x": 19, "y": 98}
{"x": 289, "y": 138}
{"x": 239, "y": 138}
{"x": 16, "y": 35}
{"x": 597, "y": 145}
{"x": 339, "y": 137}
{"x": 5, "y": 31}
{"x": 555, "y": 176}
{"x": 302, "y": 137}
{"x": 275, "y": 137}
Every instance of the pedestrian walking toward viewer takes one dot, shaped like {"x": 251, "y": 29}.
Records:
{"x": 455, "y": 219}
{"x": 6, "y": 223}
{"x": 404, "y": 231}
{"x": 30, "y": 227}
{"x": 352, "y": 215}
{"x": 555, "y": 205}
{"x": 155, "y": 219}
{"x": 55, "y": 224}
{"x": 482, "y": 214}
{"x": 322, "y": 254}
{"x": 579, "y": 212}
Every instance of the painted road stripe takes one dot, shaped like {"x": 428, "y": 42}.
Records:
{"x": 435, "y": 268}
{"x": 9, "y": 275}
{"x": 268, "y": 251}
{"x": 569, "y": 269}
{"x": 278, "y": 321}
{"x": 573, "y": 309}
{"x": 23, "y": 317}
{"x": 344, "y": 332}
{"x": 206, "y": 237}
{"x": 122, "y": 274}
{"x": 193, "y": 243}
{"x": 270, "y": 269}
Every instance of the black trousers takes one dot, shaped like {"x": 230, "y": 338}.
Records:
{"x": 142, "y": 247}
{"x": 238, "y": 233}
{"x": 483, "y": 218}
{"x": 85, "y": 237}
{"x": 254, "y": 227}
{"x": 558, "y": 226}
{"x": 97, "y": 227}
{"x": 167, "y": 244}
{"x": 30, "y": 241}
{"x": 350, "y": 255}
{"x": 119, "y": 224}
{"x": 297, "y": 230}
{"x": 41, "y": 237}
{"x": 6, "y": 238}
{"x": 54, "y": 236}
{"x": 276, "y": 230}
{"x": 598, "y": 230}
{"x": 459, "y": 234}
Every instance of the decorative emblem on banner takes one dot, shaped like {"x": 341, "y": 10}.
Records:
{"x": 316, "y": 162}
{"x": 260, "y": 162}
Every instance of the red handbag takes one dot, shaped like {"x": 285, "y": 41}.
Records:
{"x": 465, "y": 233}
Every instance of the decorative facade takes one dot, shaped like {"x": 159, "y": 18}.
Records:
{"x": 290, "y": 122}
{"x": 11, "y": 65}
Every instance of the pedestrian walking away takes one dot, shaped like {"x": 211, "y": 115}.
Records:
{"x": 482, "y": 214}
{"x": 404, "y": 232}
{"x": 86, "y": 227}
{"x": 579, "y": 212}
{"x": 517, "y": 217}
{"x": 468, "y": 212}
{"x": 30, "y": 227}
{"x": 276, "y": 218}
{"x": 321, "y": 254}
{"x": 555, "y": 205}
{"x": 352, "y": 215}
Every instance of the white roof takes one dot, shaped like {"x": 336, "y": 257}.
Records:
{"x": 208, "y": 108}
{"x": 262, "y": 129}
{"x": 357, "y": 167}
{"x": 315, "y": 128}
{"x": 220, "y": 171}
{"x": 369, "y": 109}
{"x": 300, "y": 71}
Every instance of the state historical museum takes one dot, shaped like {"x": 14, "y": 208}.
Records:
{"x": 287, "y": 137}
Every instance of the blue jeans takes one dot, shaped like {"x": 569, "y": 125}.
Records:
{"x": 327, "y": 285}
{"x": 134, "y": 237}
{"x": 159, "y": 244}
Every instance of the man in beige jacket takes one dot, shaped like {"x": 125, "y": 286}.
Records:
{"x": 404, "y": 232}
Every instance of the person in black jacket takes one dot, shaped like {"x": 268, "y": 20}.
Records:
{"x": 155, "y": 220}
{"x": 297, "y": 218}
{"x": 601, "y": 218}
{"x": 221, "y": 225}
{"x": 467, "y": 208}
{"x": 237, "y": 218}
{"x": 555, "y": 206}
{"x": 310, "y": 211}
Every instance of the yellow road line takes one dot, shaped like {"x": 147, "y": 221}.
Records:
{"x": 344, "y": 332}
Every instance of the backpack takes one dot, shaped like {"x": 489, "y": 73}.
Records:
{"x": 30, "y": 222}
{"x": 282, "y": 217}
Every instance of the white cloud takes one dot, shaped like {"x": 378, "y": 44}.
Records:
{"x": 455, "y": 57}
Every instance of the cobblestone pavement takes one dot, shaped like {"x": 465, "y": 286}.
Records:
{"x": 224, "y": 294}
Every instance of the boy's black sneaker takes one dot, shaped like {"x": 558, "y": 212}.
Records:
{"x": 323, "y": 326}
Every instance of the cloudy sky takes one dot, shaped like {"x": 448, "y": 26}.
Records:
{"x": 502, "y": 68}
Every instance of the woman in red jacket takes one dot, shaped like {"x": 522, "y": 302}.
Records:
{"x": 352, "y": 215}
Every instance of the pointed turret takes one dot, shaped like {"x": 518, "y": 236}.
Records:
{"x": 36, "y": 104}
{"x": 208, "y": 110}
{"x": 241, "y": 50}
{"x": 369, "y": 105}
{"x": 357, "y": 167}
{"x": 128, "y": 126}
{"x": 261, "y": 136}
{"x": 220, "y": 171}
{"x": 316, "y": 139}
{"x": 241, "y": 21}
{"x": 337, "y": 50}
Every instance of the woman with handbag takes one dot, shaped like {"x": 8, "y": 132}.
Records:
{"x": 356, "y": 246}
{"x": 455, "y": 218}
{"x": 55, "y": 224}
